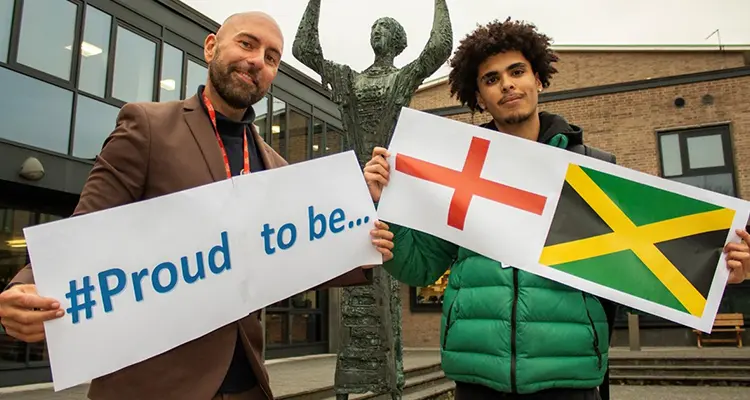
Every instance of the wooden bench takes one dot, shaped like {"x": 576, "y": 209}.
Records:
{"x": 724, "y": 323}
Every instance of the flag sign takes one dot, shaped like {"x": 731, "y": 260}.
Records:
{"x": 468, "y": 183}
{"x": 642, "y": 241}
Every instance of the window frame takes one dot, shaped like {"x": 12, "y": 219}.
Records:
{"x": 118, "y": 23}
{"x": 160, "y": 60}
{"x": 722, "y": 129}
{"x": 14, "y": 45}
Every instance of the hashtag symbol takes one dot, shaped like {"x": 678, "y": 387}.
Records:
{"x": 74, "y": 295}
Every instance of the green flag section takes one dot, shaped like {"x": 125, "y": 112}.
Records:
{"x": 644, "y": 241}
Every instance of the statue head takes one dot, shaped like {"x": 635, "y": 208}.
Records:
{"x": 387, "y": 37}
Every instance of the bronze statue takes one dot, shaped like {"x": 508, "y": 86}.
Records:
{"x": 370, "y": 102}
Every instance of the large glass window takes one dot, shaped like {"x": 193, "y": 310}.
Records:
{"x": 196, "y": 76}
{"x": 94, "y": 122}
{"x": 21, "y": 113}
{"x": 298, "y": 128}
{"x": 46, "y": 38}
{"x": 171, "y": 73}
{"x": 700, "y": 157}
{"x": 92, "y": 76}
{"x": 278, "y": 127}
{"x": 6, "y": 21}
{"x": 135, "y": 58}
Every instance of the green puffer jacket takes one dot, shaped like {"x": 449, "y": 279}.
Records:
{"x": 503, "y": 328}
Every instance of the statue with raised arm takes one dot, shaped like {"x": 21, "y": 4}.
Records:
{"x": 370, "y": 355}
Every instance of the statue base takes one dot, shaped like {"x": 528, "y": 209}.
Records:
{"x": 371, "y": 356}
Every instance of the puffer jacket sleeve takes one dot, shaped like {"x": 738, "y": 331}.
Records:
{"x": 419, "y": 259}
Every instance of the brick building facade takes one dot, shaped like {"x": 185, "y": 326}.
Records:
{"x": 678, "y": 112}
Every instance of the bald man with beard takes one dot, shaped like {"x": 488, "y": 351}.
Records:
{"x": 162, "y": 148}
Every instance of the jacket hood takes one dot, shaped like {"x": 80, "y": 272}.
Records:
{"x": 551, "y": 125}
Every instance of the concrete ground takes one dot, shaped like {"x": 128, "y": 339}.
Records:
{"x": 305, "y": 373}
{"x": 288, "y": 376}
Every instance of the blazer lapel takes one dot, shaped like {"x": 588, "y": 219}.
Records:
{"x": 204, "y": 135}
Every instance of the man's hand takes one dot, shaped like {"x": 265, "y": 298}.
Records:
{"x": 23, "y": 311}
{"x": 738, "y": 258}
{"x": 377, "y": 172}
{"x": 382, "y": 238}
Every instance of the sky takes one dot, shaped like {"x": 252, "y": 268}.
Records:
{"x": 345, "y": 24}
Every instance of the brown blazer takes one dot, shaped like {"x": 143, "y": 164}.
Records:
{"x": 157, "y": 149}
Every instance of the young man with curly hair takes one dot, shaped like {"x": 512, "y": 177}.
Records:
{"x": 506, "y": 333}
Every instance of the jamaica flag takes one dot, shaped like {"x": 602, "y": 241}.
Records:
{"x": 644, "y": 241}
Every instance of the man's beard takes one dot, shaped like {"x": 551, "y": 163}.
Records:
{"x": 221, "y": 79}
{"x": 517, "y": 119}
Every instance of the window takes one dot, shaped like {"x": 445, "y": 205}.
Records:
{"x": 31, "y": 98}
{"x": 94, "y": 122}
{"x": 700, "y": 157}
{"x": 298, "y": 128}
{"x": 261, "y": 112}
{"x": 6, "y": 21}
{"x": 278, "y": 127}
{"x": 135, "y": 58}
{"x": 196, "y": 76}
{"x": 92, "y": 76}
{"x": 171, "y": 74}
{"x": 429, "y": 298}
{"x": 299, "y": 320}
{"x": 46, "y": 38}
{"x": 334, "y": 138}
{"x": 318, "y": 138}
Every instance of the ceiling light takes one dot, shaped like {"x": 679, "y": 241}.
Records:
{"x": 168, "y": 84}
{"x": 87, "y": 49}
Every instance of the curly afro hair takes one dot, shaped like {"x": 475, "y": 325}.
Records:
{"x": 493, "y": 38}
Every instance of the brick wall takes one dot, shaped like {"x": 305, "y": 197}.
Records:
{"x": 585, "y": 69}
{"x": 421, "y": 329}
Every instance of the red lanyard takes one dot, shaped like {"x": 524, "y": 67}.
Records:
{"x": 246, "y": 154}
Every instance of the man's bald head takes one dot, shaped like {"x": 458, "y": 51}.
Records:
{"x": 236, "y": 20}
{"x": 243, "y": 57}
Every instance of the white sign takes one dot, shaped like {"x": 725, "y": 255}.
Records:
{"x": 564, "y": 216}
{"x": 137, "y": 275}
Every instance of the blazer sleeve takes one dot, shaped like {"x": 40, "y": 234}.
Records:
{"x": 119, "y": 173}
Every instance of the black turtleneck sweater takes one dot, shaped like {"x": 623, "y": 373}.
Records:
{"x": 240, "y": 376}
